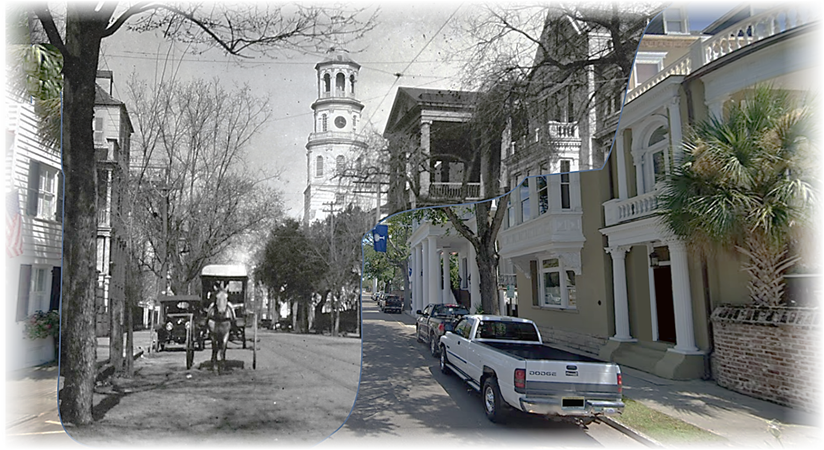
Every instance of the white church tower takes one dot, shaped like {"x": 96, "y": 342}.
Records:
{"x": 336, "y": 142}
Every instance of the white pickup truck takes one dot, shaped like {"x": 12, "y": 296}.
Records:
{"x": 505, "y": 359}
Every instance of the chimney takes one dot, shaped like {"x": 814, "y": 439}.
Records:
{"x": 106, "y": 80}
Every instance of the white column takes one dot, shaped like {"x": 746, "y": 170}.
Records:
{"x": 425, "y": 156}
{"x": 425, "y": 300}
{"x": 474, "y": 280}
{"x": 415, "y": 277}
{"x": 432, "y": 268}
{"x": 682, "y": 298}
{"x": 621, "y": 165}
{"x": 619, "y": 283}
{"x": 674, "y": 109}
{"x": 447, "y": 288}
{"x": 716, "y": 106}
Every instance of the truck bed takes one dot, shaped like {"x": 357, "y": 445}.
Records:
{"x": 538, "y": 351}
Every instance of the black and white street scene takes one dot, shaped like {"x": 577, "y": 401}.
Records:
{"x": 574, "y": 224}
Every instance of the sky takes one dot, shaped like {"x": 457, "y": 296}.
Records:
{"x": 412, "y": 38}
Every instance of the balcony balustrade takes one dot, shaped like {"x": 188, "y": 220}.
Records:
{"x": 454, "y": 191}
{"x": 623, "y": 210}
{"x": 738, "y": 36}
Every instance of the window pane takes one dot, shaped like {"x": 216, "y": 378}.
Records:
{"x": 658, "y": 165}
{"x": 550, "y": 263}
{"x": 645, "y": 71}
{"x": 565, "y": 196}
{"x": 570, "y": 283}
{"x": 552, "y": 288}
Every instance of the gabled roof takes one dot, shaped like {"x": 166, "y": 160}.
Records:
{"x": 102, "y": 98}
{"x": 409, "y": 98}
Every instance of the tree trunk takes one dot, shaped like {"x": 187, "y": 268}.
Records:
{"x": 83, "y": 36}
{"x": 488, "y": 272}
{"x": 116, "y": 334}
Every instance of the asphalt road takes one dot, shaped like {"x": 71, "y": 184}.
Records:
{"x": 405, "y": 400}
{"x": 302, "y": 390}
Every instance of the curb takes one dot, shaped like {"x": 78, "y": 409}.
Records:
{"x": 630, "y": 432}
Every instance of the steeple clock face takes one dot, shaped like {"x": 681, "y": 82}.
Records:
{"x": 340, "y": 121}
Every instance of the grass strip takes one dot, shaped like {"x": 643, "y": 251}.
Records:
{"x": 661, "y": 427}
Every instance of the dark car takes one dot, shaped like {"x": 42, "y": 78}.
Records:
{"x": 392, "y": 304}
{"x": 266, "y": 323}
{"x": 434, "y": 321}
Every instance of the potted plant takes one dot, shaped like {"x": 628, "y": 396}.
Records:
{"x": 41, "y": 325}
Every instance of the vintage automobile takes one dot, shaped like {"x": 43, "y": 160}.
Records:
{"x": 182, "y": 322}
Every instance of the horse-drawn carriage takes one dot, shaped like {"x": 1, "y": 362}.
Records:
{"x": 225, "y": 285}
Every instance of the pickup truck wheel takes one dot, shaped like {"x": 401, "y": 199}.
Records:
{"x": 493, "y": 403}
{"x": 443, "y": 361}
{"x": 433, "y": 345}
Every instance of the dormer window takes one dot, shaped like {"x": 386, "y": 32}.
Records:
{"x": 675, "y": 21}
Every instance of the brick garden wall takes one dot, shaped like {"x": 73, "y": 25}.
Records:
{"x": 773, "y": 354}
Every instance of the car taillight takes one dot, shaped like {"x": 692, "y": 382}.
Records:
{"x": 520, "y": 378}
{"x": 620, "y": 384}
{"x": 440, "y": 327}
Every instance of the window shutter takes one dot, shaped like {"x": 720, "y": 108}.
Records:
{"x": 34, "y": 188}
{"x": 533, "y": 274}
{"x": 54, "y": 303}
{"x": 59, "y": 211}
{"x": 23, "y": 288}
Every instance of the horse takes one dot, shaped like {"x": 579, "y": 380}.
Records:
{"x": 220, "y": 318}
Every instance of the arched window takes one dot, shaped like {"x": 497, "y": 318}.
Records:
{"x": 340, "y": 83}
{"x": 326, "y": 83}
{"x": 319, "y": 166}
{"x": 657, "y": 158}
{"x": 352, "y": 84}
{"x": 340, "y": 163}
{"x": 657, "y": 136}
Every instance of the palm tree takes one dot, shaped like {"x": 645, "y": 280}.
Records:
{"x": 745, "y": 183}
{"x": 35, "y": 71}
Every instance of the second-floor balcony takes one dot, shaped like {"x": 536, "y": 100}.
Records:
{"x": 625, "y": 210}
{"x": 736, "y": 37}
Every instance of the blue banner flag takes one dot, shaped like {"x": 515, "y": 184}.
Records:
{"x": 379, "y": 236}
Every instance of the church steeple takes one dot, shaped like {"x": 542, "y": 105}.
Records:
{"x": 336, "y": 139}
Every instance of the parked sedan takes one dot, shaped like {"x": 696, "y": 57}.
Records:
{"x": 434, "y": 321}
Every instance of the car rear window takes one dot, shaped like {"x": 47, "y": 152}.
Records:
{"x": 505, "y": 330}
{"x": 449, "y": 311}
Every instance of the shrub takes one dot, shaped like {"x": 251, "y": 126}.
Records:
{"x": 42, "y": 325}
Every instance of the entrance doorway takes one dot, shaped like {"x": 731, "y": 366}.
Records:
{"x": 664, "y": 303}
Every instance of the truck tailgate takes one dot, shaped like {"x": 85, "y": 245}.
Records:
{"x": 572, "y": 388}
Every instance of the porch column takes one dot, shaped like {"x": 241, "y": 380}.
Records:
{"x": 425, "y": 273}
{"x": 474, "y": 280}
{"x": 416, "y": 277}
{"x": 716, "y": 106}
{"x": 425, "y": 156}
{"x": 621, "y": 165}
{"x": 447, "y": 289}
{"x": 619, "y": 282}
{"x": 674, "y": 109}
{"x": 432, "y": 269}
{"x": 682, "y": 298}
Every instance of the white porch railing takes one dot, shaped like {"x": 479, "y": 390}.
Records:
{"x": 617, "y": 210}
{"x": 738, "y": 36}
{"x": 447, "y": 190}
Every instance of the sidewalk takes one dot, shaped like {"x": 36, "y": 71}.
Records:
{"x": 32, "y": 390}
{"x": 744, "y": 421}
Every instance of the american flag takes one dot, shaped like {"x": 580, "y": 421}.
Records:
{"x": 14, "y": 225}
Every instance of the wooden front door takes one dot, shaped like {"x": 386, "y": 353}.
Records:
{"x": 664, "y": 303}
